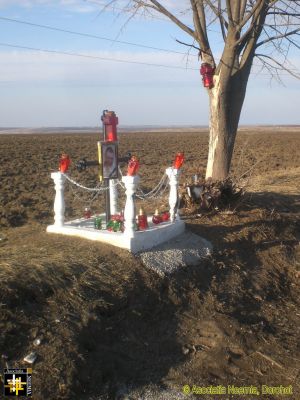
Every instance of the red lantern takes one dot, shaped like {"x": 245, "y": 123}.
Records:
{"x": 133, "y": 166}
{"x": 87, "y": 213}
{"x": 156, "y": 219}
{"x": 207, "y": 71}
{"x": 64, "y": 163}
{"x": 179, "y": 158}
{"x": 165, "y": 216}
{"x": 110, "y": 122}
{"x": 142, "y": 220}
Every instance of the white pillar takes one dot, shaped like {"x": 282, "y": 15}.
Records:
{"x": 173, "y": 175}
{"x": 113, "y": 194}
{"x": 129, "y": 211}
{"x": 59, "y": 202}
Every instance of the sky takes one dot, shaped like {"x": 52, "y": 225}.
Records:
{"x": 49, "y": 89}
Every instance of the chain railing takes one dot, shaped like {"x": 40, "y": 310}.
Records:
{"x": 156, "y": 192}
{"x": 129, "y": 183}
{"x": 102, "y": 188}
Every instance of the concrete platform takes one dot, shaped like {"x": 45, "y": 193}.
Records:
{"x": 142, "y": 240}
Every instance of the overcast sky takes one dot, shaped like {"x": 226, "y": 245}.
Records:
{"x": 52, "y": 89}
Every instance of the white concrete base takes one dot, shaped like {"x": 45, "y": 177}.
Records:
{"x": 141, "y": 240}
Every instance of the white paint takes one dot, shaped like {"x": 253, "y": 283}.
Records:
{"x": 59, "y": 202}
{"x": 213, "y": 142}
{"x": 141, "y": 240}
{"x": 173, "y": 175}
{"x": 129, "y": 211}
{"x": 213, "y": 126}
{"x": 113, "y": 194}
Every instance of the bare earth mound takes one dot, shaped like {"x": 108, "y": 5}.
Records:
{"x": 111, "y": 328}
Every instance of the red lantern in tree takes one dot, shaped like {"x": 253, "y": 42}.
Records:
{"x": 207, "y": 71}
{"x": 110, "y": 122}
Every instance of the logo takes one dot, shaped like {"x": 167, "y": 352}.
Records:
{"x": 17, "y": 382}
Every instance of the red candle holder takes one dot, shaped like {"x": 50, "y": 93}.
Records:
{"x": 156, "y": 219}
{"x": 133, "y": 166}
{"x": 110, "y": 122}
{"x": 179, "y": 159}
{"x": 165, "y": 216}
{"x": 87, "y": 213}
{"x": 64, "y": 163}
{"x": 142, "y": 221}
{"x": 207, "y": 71}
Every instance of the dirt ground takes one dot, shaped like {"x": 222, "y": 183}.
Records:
{"x": 110, "y": 328}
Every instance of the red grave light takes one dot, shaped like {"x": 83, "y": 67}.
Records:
{"x": 207, "y": 71}
{"x": 110, "y": 122}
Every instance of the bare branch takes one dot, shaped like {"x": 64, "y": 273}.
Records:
{"x": 249, "y": 39}
{"x": 229, "y": 12}
{"x": 202, "y": 18}
{"x": 221, "y": 20}
{"x": 284, "y": 13}
{"x": 219, "y": 15}
{"x": 280, "y": 65}
{"x": 236, "y": 6}
{"x": 283, "y": 35}
{"x": 172, "y": 17}
{"x": 258, "y": 4}
{"x": 200, "y": 30}
{"x": 243, "y": 9}
{"x": 189, "y": 45}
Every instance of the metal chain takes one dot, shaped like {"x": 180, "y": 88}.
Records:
{"x": 96, "y": 189}
{"x": 81, "y": 196}
{"x": 154, "y": 193}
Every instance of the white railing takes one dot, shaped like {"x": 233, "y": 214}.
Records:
{"x": 130, "y": 184}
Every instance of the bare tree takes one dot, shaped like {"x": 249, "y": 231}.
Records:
{"x": 266, "y": 29}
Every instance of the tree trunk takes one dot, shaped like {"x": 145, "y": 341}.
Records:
{"x": 226, "y": 103}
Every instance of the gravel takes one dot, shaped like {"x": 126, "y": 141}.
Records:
{"x": 185, "y": 250}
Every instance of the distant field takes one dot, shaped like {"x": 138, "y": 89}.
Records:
{"x": 146, "y": 128}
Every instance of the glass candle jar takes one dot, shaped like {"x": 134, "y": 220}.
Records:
{"x": 133, "y": 166}
{"x": 156, "y": 219}
{"x": 98, "y": 222}
{"x": 179, "y": 158}
{"x": 142, "y": 220}
{"x": 64, "y": 163}
{"x": 165, "y": 216}
{"x": 87, "y": 213}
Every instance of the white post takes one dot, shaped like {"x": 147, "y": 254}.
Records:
{"x": 129, "y": 211}
{"x": 173, "y": 175}
{"x": 113, "y": 194}
{"x": 59, "y": 202}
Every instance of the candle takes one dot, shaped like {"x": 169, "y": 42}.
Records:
{"x": 87, "y": 213}
{"x": 142, "y": 220}
{"x": 156, "y": 219}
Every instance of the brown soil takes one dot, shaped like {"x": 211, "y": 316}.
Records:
{"x": 109, "y": 325}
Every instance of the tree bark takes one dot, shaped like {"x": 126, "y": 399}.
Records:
{"x": 226, "y": 101}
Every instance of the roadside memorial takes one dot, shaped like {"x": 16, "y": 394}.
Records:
{"x": 122, "y": 228}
